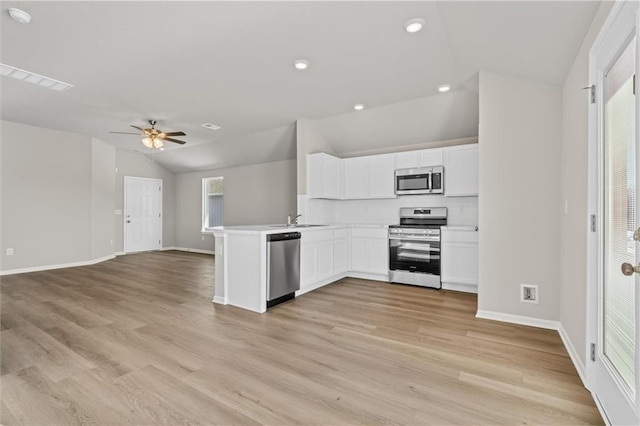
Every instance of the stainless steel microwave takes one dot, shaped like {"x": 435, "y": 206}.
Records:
{"x": 422, "y": 180}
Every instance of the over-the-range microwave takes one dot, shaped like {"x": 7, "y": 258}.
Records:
{"x": 421, "y": 180}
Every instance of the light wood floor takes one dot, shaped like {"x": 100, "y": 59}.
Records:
{"x": 136, "y": 340}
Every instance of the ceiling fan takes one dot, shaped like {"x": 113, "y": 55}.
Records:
{"x": 155, "y": 138}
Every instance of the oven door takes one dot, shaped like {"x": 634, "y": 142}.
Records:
{"x": 414, "y": 254}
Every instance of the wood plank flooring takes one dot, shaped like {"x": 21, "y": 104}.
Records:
{"x": 136, "y": 340}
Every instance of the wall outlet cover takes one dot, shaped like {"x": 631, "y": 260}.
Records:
{"x": 9, "y": 252}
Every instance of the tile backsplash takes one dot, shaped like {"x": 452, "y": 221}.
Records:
{"x": 462, "y": 211}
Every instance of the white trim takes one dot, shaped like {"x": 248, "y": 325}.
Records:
{"x": 192, "y": 250}
{"x": 601, "y": 409}
{"x": 219, "y": 300}
{"x": 119, "y": 253}
{"x": 320, "y": 283}
{"x": 465, "y": 288}
{"x": 367, "y": 276}
{"x": 573, "y": 354}
{"x": 518, "y": 319}
{"x": 58, "y": 266}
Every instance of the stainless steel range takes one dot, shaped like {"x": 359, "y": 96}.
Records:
{"x": 414, "y": 246}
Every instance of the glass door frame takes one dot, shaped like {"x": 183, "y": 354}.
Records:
{"x": 612, "y": 401}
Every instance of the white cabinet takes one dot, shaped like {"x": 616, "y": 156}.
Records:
{"x": 369, "y": 177}
{"x": 421, "y": 158}
{"x": 369, "y": 251}
{"x": 461, "y": 166}
{"x": 356, "y": 177}
{"x": 324, "y": 176}
{"x": 460, "y": 260}
{"x": 340, "y": 251}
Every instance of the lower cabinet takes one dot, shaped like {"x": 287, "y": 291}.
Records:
{"x": 369, "y": 251}
{"x": 323, "y": 254}
{"x": 459, "y": 257}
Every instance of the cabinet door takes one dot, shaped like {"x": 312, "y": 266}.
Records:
{"x": 460, "y": 263}
{"x": 308, "y": 264}
{"x": 332, "y": 177}
{"x": 325, "y": 259}
{"x": 378, "y": 258}
{"x": 359, "y": 255}
{"x": 315, "y": 176}
{"x": 407, "y": 160}
{"x": 381, "y": 176}
{"x": 356, "y": 177}
{"x": 430, "y": 157}
{"x": 340, "y": 251}
{"x": 461, "y": 168}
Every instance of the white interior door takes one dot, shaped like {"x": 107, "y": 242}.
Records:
{"x": 614, "y": 374}
{"x": 143, "y": 214}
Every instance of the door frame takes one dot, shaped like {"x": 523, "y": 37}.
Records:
{"x": 595, "y": 174}
{"x": 124, "y": 216}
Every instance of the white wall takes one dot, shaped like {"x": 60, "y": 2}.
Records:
{"x": 308, "y": 141}
{"x": 138, "y": 165}
{"x": 103, "y": 187}
{"x": 46, "y": 183}
{"x": 574, "y": 221}
{"x": 519, "y": 203}
{"x": 257, "y": 194}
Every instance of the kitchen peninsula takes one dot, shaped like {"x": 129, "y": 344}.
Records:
{"x": 241, "y": 259}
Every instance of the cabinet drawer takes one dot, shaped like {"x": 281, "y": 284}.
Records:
{"x": 449, "y": 236}
{"x": 316, "y": 236}
{"x": 340, "y": 233}
{"x": 369, "y": 232}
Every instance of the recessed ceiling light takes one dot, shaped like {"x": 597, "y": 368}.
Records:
{"x": 31, "y": 77}
{"x": 19, "y": 15}
{"x": 358, "y": 107}
{"x": 414, "y": 25}
{"x": 211, "y": 126}
{"x": 444, "y": 88}
{"x": 301, "y": 64}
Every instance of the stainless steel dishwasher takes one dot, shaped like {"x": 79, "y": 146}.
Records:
{"x": 283, "y": 267}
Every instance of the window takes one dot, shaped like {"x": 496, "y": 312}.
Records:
{"x": 212, "y": 202}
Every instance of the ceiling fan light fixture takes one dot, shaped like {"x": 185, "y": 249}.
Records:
{"x": 147, "y": 142}
{"x": 19, "y": 15}
{"x": 157, "y": 143}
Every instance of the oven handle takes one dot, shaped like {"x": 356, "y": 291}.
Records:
{"x": 413, "y": 238}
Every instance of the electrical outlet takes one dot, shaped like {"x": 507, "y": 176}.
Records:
{"x": 9, "y": 252}
{"x": 529, "y": 293}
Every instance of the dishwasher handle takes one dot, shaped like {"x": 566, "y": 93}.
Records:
{"x": 283, "y": 237}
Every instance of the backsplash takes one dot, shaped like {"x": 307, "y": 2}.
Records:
{"x": 462, "y": 211}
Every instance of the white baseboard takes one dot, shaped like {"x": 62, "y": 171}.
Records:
{"x": 320, "y": 283}
{"x": 466, "y": 288}
{"x": 573, "y": 354}
{"x": 120, "y": 253}
{"x": 517, "y": 319}
{"x": 192, "y": 250}
{"x": 219, "y": 300}
{"x": 59, "y": 266}
{"x": 367, "y": 276}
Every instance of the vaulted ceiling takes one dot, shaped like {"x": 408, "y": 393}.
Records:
{"x": 231, "y": 64}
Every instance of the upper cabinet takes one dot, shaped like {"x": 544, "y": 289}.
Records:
{"x": 369, "y": 177}
{"x": 461, "y": 166}
{"x": 421, "y": 158}
{"x": 324, "y": 176}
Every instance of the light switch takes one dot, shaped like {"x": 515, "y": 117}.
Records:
{"x": 118, "y": 212}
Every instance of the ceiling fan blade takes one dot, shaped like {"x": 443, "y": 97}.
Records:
{"x": 126, "y": 133}
{"x": 174, "y": 140}
{"x": 175, "y": 133}
{"x": 139, "y": 128}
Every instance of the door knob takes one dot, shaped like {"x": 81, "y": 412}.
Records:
{"x": 628, "y": 269}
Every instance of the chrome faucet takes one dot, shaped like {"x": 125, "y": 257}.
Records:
{"x": 294, "y": 220}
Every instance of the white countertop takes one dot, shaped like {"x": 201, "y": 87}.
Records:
{"x": 460, "y": 228}
{"x": 277, "y": 229}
